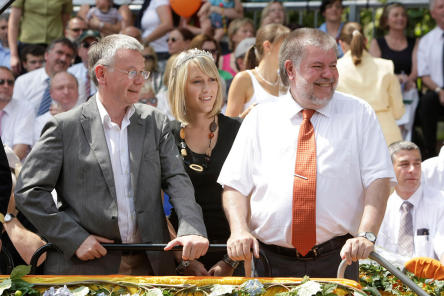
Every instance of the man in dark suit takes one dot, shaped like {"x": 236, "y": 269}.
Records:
{"x": 108, "y": 160}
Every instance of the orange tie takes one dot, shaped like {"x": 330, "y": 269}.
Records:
{"x": 304, "y": 188}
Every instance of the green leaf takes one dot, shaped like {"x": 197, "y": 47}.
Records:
{"x": 19, "y": 271}
{"x": 80, "y": 291}
{"x": 5, "y": 285}
{"x": 372, "y": 291}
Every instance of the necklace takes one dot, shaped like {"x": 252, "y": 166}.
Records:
{"x": 196, "y": 162}
{"x": 265, "y": 80}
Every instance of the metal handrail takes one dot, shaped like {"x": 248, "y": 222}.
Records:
{"x": 390, "y": 267}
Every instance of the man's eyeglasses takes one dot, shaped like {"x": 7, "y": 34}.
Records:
{"x": 133, "y": 73}
{"x": 10, "y": 82}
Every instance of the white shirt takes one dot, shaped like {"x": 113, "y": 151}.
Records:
{"x": 351, "y": 154}
{"x": 150, "y": 21}
{"x": 433, "y": 171}
{"x": 30, "y": 87}
{"x": 430, "y": 55}
{"x": 39, "y": 123}
{"x": 428, "y": 213}
{"x": 80, "y": 71}
{"x": 17, "y": 124}
{"x": 117, "y": 141}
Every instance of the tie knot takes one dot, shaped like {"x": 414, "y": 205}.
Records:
{"x": 307, "y": 114}
{"x": 406, "y": 206}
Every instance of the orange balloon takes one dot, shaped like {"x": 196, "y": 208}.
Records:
{"x": 185, "y": 8}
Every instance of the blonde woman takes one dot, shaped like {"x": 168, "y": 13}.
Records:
{"x": 204, "y": 137}
{"x": 371, "y": 79}
{"x": 261, "y": 82}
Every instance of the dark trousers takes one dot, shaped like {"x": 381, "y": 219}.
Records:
{"x": 430, "y": 111}
{"x": 323, "y": 266}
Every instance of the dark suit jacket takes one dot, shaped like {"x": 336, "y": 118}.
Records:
{"x": 5, "y": 180}
{"x": 72, "y": 157}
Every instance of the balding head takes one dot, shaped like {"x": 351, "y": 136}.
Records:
{"x": 133, "y": 32}
{"x": 64, "y": 90}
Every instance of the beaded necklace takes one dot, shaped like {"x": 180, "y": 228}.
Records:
{"x": 195, "y": 163}
{"x": 265, "y": 80}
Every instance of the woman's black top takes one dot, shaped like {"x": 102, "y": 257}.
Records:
{"x": 401, "y": 59}
{"x": 208, "y": 192}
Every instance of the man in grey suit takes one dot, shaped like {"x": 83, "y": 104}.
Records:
{"x": 108, "y": 160}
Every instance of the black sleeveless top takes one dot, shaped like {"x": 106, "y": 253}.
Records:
{"x": 402, "y": 59}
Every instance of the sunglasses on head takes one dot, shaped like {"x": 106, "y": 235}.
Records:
{"x": 10, "y": 82}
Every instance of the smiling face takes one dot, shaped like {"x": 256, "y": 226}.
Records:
{"x": 276, "y": 13}
{"x": 64, "y": 90}
{"x": 397, "y": 18}
{"x": 117, "y": 88}
{"x": 407, "y": 167}
{"x": 200, "y": 91}
{"x": 314, "y": 81}
{"x": 58, "y": 58}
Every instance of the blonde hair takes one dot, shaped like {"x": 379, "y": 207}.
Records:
{"x": 353, "y": 35}
{"x": 179, "y": 79}
{"x": 235, "y": 25}
{"x": 168, "y": 67}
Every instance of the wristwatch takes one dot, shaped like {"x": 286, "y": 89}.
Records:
{"x": 9, "y": 217}
{"x": 229, "y": 261}
{"x": 368, "y": 235}
{"x": 437, "y": 89}
{"x": 182, "y": 267}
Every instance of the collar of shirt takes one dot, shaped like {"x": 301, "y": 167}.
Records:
{"x": 9, "y": 108}
{"x": 106, "y": 119}
{"x": 415, "y": 199}
{"x": 294, "y": 109}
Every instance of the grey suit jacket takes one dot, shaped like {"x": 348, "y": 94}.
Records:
{"x": 72, "y": 157}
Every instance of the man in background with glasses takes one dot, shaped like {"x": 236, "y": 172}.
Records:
{"x": 108, "y": 160}
{"x": 16, "y": 117}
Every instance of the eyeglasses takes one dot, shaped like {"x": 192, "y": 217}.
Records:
{"x": 149, "y": 57}
{"x": 172, "y": 39}
{"x": 86, "y": 45}
{"x": 77, "y": 30}
{"x": 133, "y": 73}
{"x": 10, "y": 82}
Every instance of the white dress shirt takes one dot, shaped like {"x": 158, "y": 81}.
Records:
{"x": 433, "y": 171}
{"x": 80, "y": 71}
{"x": 30, "y": 87}
{"x": 117, "y": 141}
{"x": 430, "y": 55}
{"x": 351, "y": 154}
{"x": 17, "y": 124}
{"x": 427, "y": 214}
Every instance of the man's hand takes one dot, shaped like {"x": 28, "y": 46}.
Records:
{"x": 194, "y": 246}
{"x": 239, "y": 246}
{"x": 221, "y": 268}
{"x": 91, "y": 248}
{"x": 196, "y": 268}
{"x": 356, "y": 248}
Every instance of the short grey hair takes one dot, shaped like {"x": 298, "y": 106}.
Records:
{"x": 103, "y": 51}
{"x": 293, "y": 47}
{"x": 401, "y": 146}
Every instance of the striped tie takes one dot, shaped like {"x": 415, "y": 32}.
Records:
{"x": 304, "y": 188}
{"x": 46, "y": 100}
{"x": 405, "y": 240}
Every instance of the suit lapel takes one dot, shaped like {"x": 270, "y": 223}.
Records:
{"x": 95, "y": 135}
{"x": 136, "y": 132}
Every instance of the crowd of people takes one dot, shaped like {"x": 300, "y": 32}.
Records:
{"x": 156, "y": 128}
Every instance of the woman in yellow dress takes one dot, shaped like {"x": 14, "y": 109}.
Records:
{"x": 371, "y": 79}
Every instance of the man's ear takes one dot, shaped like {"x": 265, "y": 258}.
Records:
{"x": 290, "y": 69}
{"x": 100, "y": 74}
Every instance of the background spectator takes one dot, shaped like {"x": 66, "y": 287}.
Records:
{"x": 273, "y": 13}
{"x": 332, "y": 10}
{"x": 371, "y": 79}
{"x": 75, "y": 27}
{"x": 35, "y": 22}
{"x": 400, "y": 49}
{"x": 179, "y": 40}
{"x": 5, "y": 53}
{"x": 16, "y": 117}
{"x": 32, "y": 57}
{"x": 104, "y": 18}
{"x": 238, "y": 30}
{"x": 133, "y": 32}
